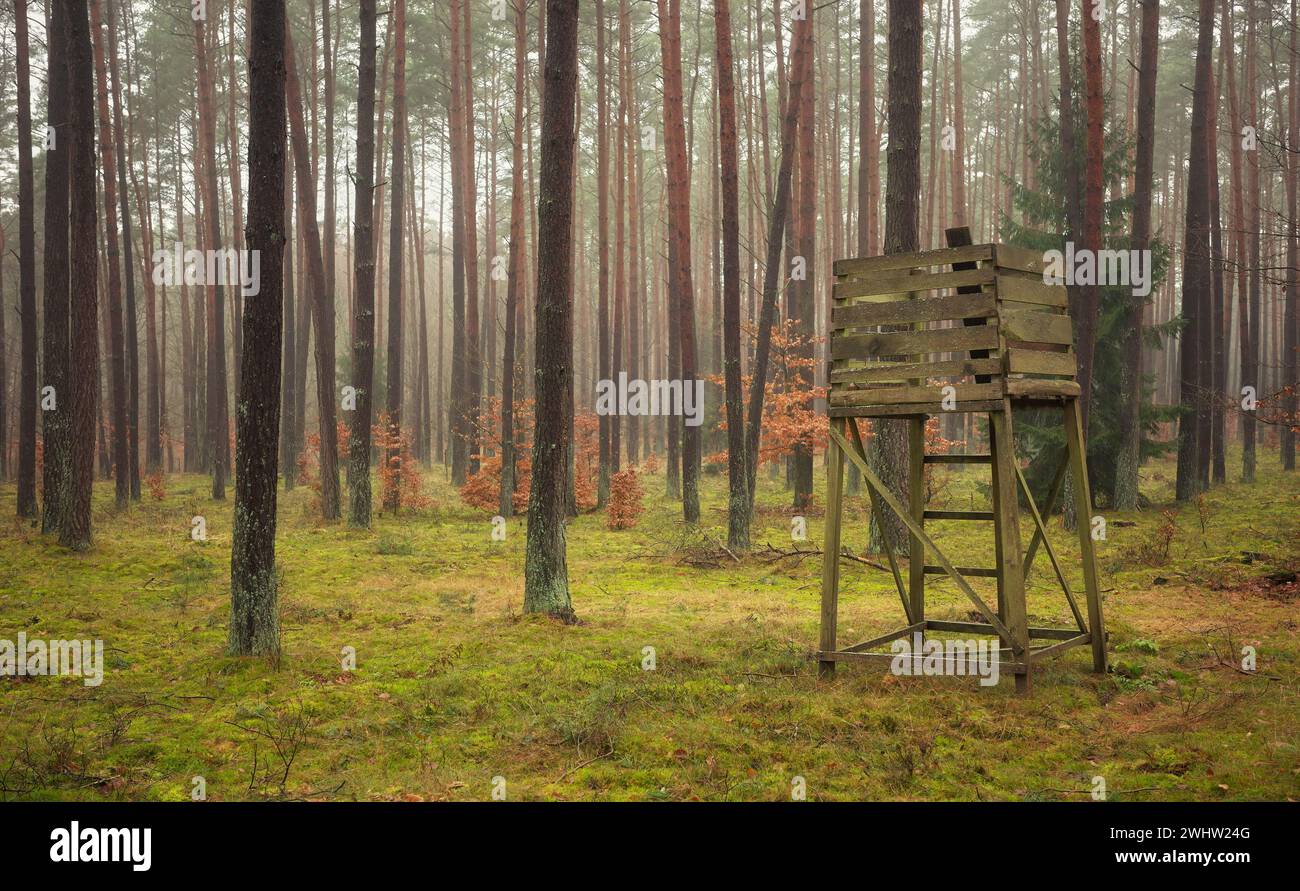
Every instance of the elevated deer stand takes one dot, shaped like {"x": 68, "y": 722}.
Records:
{"x": 975, "y": 324}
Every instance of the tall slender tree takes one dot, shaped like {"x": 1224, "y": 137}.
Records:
{"x": 217, "y": 405}
{"x": 83, "y": 281}
{"x": 728, "y": 152}
{"x": 254, "y": 617}
{"x": 1085, "y": 315}
{"x": 1291, "y": 401}
{"x": 888, "y": 453}
{"x": 116, "y": 341}
{"x": 1126, "y": 479}
{"x": 1250, "y": 348}
{"x": 363, "y": 321}
{"x": 131, "y": 355}
{"x": 546, "y": 580}
{"x": 799, "y": 67}
{"x": 681, "y": 288}
{"x": 516, "y": 272}
{"x": 602, "y": 246}
{"x": 1196, "y": 263}
{"x": 393, "y": 456}
{"x": 26, "y": 269}
{"x": 322, "y": 311}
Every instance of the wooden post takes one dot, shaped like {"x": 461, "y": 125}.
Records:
{"x": 916, "y": 485}
{"x": 831, "y": 548}
{"x": 1083, "y": 515}
{"x": 995, "y": 495}
{"x": 1007, "y": 518}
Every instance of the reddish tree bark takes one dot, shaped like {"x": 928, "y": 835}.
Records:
{"x": 116, "y": 358}
{"x": 393, "y": 457}
{"x": 679, "y": 240}
{"x": 506, "y": 502}
{"x": 26, "y": 272}
{"x": 1085, "y": 316}
{"x": 322, "y": 312}
{"x": 1126, "y": 482}
{"x": 217, "y": 405}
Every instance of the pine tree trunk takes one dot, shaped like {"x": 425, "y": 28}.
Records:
{"x": 958, "y": 124}
{"x": 254, "y": 616}
{"x": 738, "y": 513}
{"x": 800, "y": 67}
{"x": 116, "y": 342}
{"x": 26, "y": 272}
{"x": 1196, "y": 263}
{"x": 83, "y": 273}
{"x": 1292, "y": 174}
{"x": 1129, "y": 459}
{"x": 679, "y": 237}
{"x": 546, "y": 585}
{"x": 322, "y": 311}
{"x": 802, "y": 290}
{"x": 506, "y": 503}
{"x": 392, "y": 457}
{"x": 457, "y": 407}
{"x": 888, "y": 452}
{"x": 363, "y": 322}
{"x": 1250, "y": 375}
{"x": 289, "y": 365}
{"x": 1086, "y": 309}
{"x": 217, "y": 406}
{"x": 602, "y": 246}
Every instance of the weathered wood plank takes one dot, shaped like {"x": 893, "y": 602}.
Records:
{"x": 985, "y": 628}
{"x": 971, "y": 571}
{"x": 913, "y": 343}
{"x": 884, "y": 638}
{"x": 907, "y": 410}
{"x": 901, "y": 395}
{"x": 903, "y": 312}
{"x": 1028, "y": 290}
{"x": 1037, "y": 327}
{"x": 1041, "y": 389}
{"x": 1041, "y": 362}
{"x": 1004, "y": 666}
{"x": 1012, "y": 257}
{"x": 1053, "y": 650}
{"x": 939, "y": 257}
{"x": 909, "y": 283}
{"x": 831, "y": 565}
{"x": 1078, "y": 457}
{"x": 905, "y": 371}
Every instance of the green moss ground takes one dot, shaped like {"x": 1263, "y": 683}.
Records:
{"x": 454, "y": 687}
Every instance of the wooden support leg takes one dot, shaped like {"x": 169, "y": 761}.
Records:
{"x": 1078, "y": 458}
{"x": 1007, "y": 518}
{"x": 916, "y": 489}
{"x": 831, "y": 548}
{"x": 995, "y": 496}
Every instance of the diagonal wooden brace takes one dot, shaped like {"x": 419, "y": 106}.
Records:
{"x": 905, "y": 517}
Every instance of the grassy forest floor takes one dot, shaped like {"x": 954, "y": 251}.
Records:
{"x": 455, "y": 687}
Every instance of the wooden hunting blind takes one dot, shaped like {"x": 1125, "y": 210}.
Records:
{"x": 970, "y": 328}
